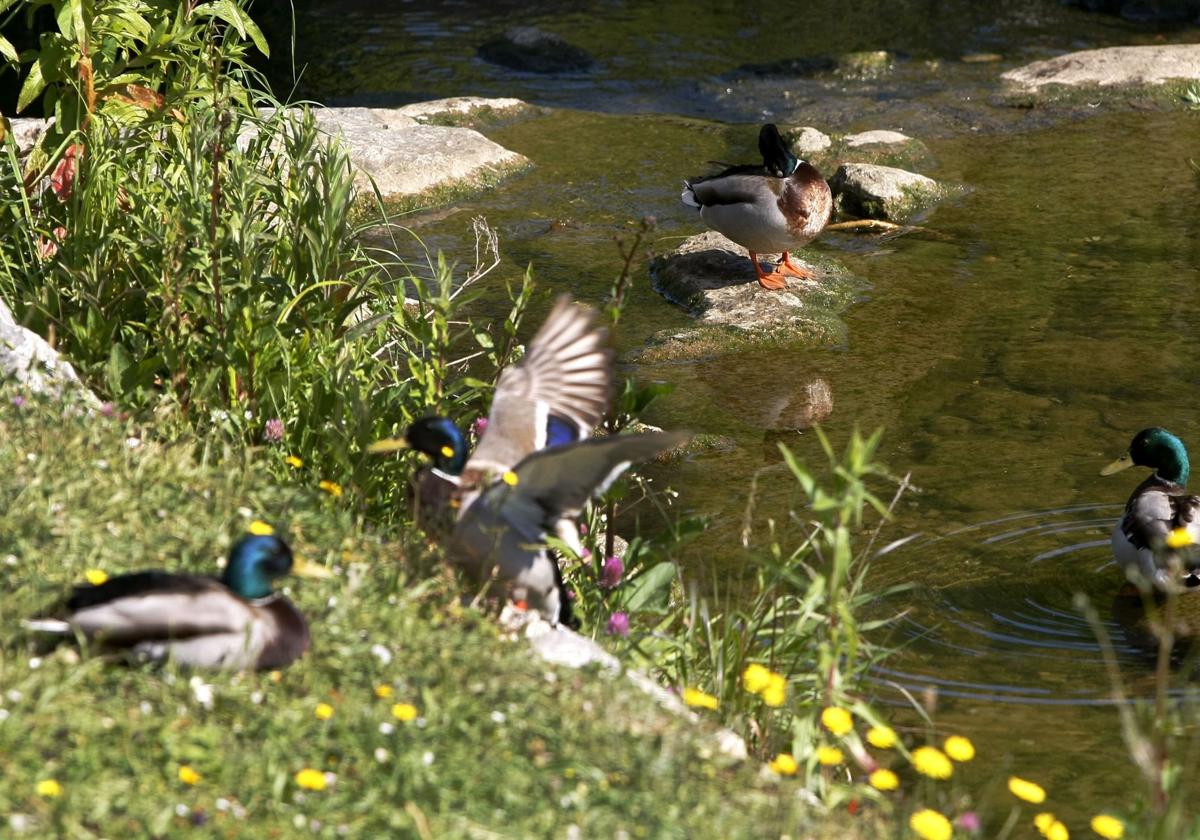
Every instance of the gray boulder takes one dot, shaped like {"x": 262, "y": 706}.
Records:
{"x": 533, "y": 50}
{"x": 1111, "y": 67}
{"x": 27, "y": 359}
{"x": 807, "y": 140}
{"x": 882, "y": 192}
{"x": 406, "y": 158}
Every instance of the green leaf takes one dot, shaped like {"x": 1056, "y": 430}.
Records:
{"x": 228, "y": 11}
{"x": 34, "y": 84}
{"x": 647, "y": 586}
{"x": 8, "y": 50}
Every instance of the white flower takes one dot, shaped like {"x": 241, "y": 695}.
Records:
{"x": 3, "y": 715}
{"x": 382, "y": 654}
{"x": 386, "y": 728}
{"x": 133, "y": 442}
{"x": 35, "y": 662}
{"x": 145, "y": 708}
{"x": 18, "y": 822}
{"x": 182, "y": 810}
{"x": 202, "y": 692}
{"x": 14, "y": 695}
{"x": 498, "y": 716}
{"x": 222, "y": 803}
{"x": 381, "y": 755}
{"x": 427, "y": 758}
{"x": 10, "y": 559}
{"x": 256, "y": 697}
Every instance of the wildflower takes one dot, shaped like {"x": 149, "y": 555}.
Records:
{"x": 311, "y": 779}
{"x": 1110, "y": 828}
{"x": 932, "y": 762}
{"x": 46, "y": 248}
{"x": 323, "y": 711}
{"x": 959, "y": 748}
{"x": 62, "y": 180}
{"x": 618, "y": 624}
{"x": 784, "y": 765}
{"x": 479, "y": 426}
{"x": 611, "y": 572}
{"x": 930, "y": 825}
{"x": 381, "y": 653}
{"x": 331, "y": 487}
{"x": 1026, "y": 790}
{"x": 837, "y": 721}
{"x": 260, "y": 528}
{"x": 107, "y": 409}
{"x": 969, "y": 821}
{"x": 881, "y": 737}
{"x": 883, "y": 779}
{"x": 1051, "y": 827}
{"x": 510, "y": 478}
{"x": 273, "y": 431}
{"x": 293, "y": 462}
{"x": 755, "y": 678}
{"x": 830, "y": 756}
{"x": 404, "y": 712}
{"x": 383, "y": 691}
{"x": 1179, "y": 538}
{"x": 775, "y": 693}
{"x": 49, "y": 788}
{"x": 1043, "y": 821}
{"x": 696, "y": 697}
{"x": 187, "y": 775}
{"x": 95, "y": 576}
{"x": 18, "y": 401}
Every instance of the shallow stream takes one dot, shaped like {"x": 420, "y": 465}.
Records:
{"x": 1009, "y": 357}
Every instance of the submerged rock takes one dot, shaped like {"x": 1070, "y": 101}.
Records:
{"x": 26, "y": 358}
{"x": 1111, "y": 67}
{"x": 882, "y": 192}
{"x": 869, "y": 64}
{"x": 533, "y": 50}
{"x": 798, "y": 408}
{"x": 1145, "y": 11}
{"x": 712, "y": 278}
{"x": 459, "y": 108}
{"x": 878, "y": 137}
{"x": 407, "y": 158}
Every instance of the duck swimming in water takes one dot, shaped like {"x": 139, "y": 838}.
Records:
{"x": 1151, "y": 540}
{"x": 235, "y": 622}
{"x": 778, "y": 206}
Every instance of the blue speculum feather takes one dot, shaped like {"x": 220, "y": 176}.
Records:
{"x": 560, "y": 432}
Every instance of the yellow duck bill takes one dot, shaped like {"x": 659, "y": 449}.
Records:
{"x": 1122, "y": 463}
{"x": 308, "y": 569}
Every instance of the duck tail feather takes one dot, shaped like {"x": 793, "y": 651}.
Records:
{"x": 688, "y": 196}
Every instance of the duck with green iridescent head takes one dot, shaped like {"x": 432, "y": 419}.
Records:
{"x": 235, "y": 622}
{"x": 1155, "y": 539}
{"x": 536, "y": 465}
{"x": 774, "y": 207}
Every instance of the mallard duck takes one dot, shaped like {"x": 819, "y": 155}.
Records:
{"x": 232, "y": 623}
{"x": 778, "y": 206}
{"x": 1160, "y": 518}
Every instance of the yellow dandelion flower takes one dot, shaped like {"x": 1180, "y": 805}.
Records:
{"x": 784, "y": 765}
{"x": 1051, "y": 827}
{"x": 1058, "y": 831}
{"x": 755, "y": 678}
{"x": 830, "y": 756}
{"x": 323, "y": 711}
{"x": 95, "y": 576}
{"x": 331, "y": 487}
{"x": 932, "y": 762}
{"x": 883, "y": 779}
{"x": 404, "y": 712}
{"x": 837, "y": 721}
{"x": 187, "y": 775}
{"x": 1179, "y": 538}
{"x": 49, "y": 788}
{"x": 1026, "y": 790}
{"x": 959, "y": 748}
{"x": 383, "y": 691}
{"x": 311, "y": 779}
{"x": 510, "y": 478}
{"x": 1110, "y": 828}
{"x": 775, "y": 694}
{"x": 930, "y": 825}
{"x": 293, "y": 462}
{"x": 1043, "y": 821}
{"x": 881, "y": 737}
{"x": 260, "y": 528}
{"x": 699, "y": 699}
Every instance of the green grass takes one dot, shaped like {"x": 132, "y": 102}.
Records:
{"x": 505, "y": 746}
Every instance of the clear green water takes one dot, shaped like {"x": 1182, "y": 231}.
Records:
{"x": 1009, "y": 359}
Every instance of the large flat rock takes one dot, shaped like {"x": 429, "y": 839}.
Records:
{"x": 1111, "y": 66}
{"x": 407, "y": 158}
{"x": 26, "y": 358}
{"x": 712, "y": 278}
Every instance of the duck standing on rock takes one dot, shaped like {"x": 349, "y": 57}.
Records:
{"x": 1161, "y": 520}
{"x": 232, "y": 623}
{"x": 778, "y": 206}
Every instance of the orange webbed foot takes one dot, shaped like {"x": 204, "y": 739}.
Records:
{"x": 786, "y": 266}
{"x": 773, "y": 281}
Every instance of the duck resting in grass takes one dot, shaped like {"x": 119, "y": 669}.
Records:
{"x": 536, "y": 465}
{"x": 235, "y": 622}
{"x": 778, "y": 206}
{"x": 1161, "y": 521}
